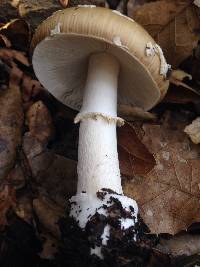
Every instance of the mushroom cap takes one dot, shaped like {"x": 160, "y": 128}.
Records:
{"x": 63, "y": 43}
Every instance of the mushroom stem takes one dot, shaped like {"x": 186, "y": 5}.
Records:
{"x": 98, "y": 164}
{"x": 99, "y": 191}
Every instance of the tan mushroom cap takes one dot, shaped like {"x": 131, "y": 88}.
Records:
{"x": 60, "y": 59}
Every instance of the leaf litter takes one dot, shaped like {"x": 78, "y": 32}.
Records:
{"x": 159, "y": 164}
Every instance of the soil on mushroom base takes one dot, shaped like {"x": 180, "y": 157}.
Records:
{"x": 21, "y": 241}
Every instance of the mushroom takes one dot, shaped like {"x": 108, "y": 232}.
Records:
{"x": 83, "y": 56}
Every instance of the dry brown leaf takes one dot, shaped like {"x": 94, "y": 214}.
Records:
{"x": 173, "y": 24}
{"x": 11, "y": 116}
{"x": 30, "y": 88}
{"x": 9, "y": 56}
{"x": 40, "y": 122}
{"x": 168, "y": 196}
{"x": 49, "y": 247}
{"x": 16, "y": 176}
{"x": 18, "y": 33}
{"x": 134, "y": 4}
{"x": 56, "y": 174}
{"x": 4, "y": 42}
{"x": 134, "y": 158}
{"x": 179, "y": 245}
{"x": 24, "y": 208}
{"x": 48, "y": 214}
{"x": 134, "y": 113}
{"x": 11, "y": 119}
{"x": 181, "y": 96}
{"x": 177, "y": 77}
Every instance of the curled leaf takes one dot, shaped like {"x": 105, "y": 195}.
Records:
{"x": 4, "y": 42}
{"x": 177, "y": 77}
{"x": 17, "y": 33}
{"x": 134, "y": 157}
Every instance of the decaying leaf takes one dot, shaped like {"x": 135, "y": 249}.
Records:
{"x": 11, "y": 119}
{"x": 168, "y": 196}
{"x": 134, "y": 158}
{"x": 24, "y": 209}
{"x": 179, "y": 245}
{"x": 173, "y": 24}
{"x": 56, "y": 174}
{"x": 7, "y": 200}
{"x": 134, "y": 4}
{"x": 40, "y": 122}
{"x": 30, "y": 88}
{"x": 48, "y": 214}
{"x": 16, "y": 176}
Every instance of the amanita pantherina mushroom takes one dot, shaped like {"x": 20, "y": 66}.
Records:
{"x": 82, "y": 55}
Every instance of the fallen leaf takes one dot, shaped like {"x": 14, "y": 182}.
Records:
{"x": 10, "y": 57}
{"x": 24, "y": 209}
{"x": 173, "y": 24}
{"x": 134, "y": 4}
{"x": 16, "y": 177}
{"x": 18, "y": 33}
{"x": 4, "y": 42}
{"x": 4, "y": 75}
{"x": 40, "y": 122}
{"x": 49, "y": 248}
{"x": 177, "y": 77}
{"x": 134, "y": 158}
{"x": 48, "y": 214}
{"x": 30, "y": 88}
{"x": 11, "y": 120}
{"x": 57, "y": 175}
{"x": 179, "y": 245}
{"x": 7, "y": 200}
{"x": 168, "y": 196}
{"x": 192, "y": 65}
{"x": 130, "y": 113}
{"x": 177, "y": 95}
